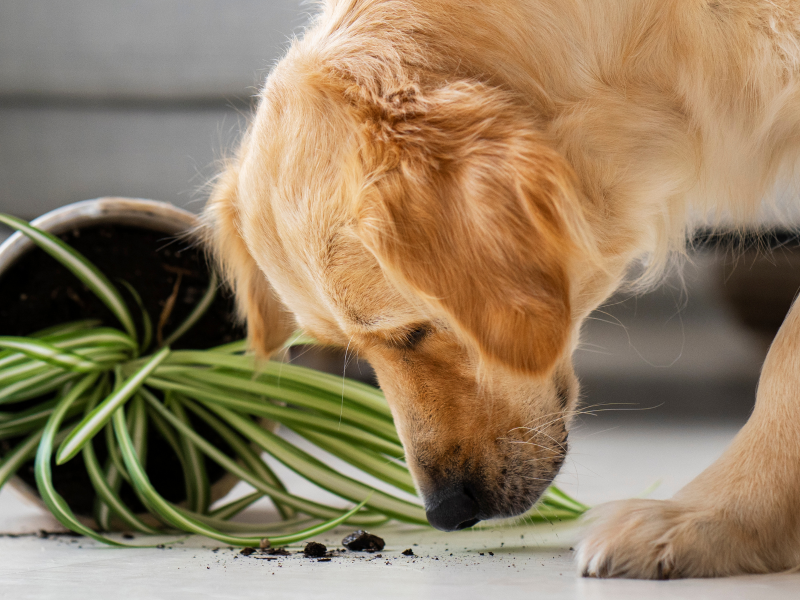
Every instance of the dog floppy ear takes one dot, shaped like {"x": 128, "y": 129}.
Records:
{"x": 268, "y": 324}
{"x": 470, "y": 208}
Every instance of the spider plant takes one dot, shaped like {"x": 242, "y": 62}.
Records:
{"x": 67, "y": 388}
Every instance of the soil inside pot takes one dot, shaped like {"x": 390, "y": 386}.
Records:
{"x": 37, "y": 292}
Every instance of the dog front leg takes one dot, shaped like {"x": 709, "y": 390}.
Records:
{"x": 741, "y": 515}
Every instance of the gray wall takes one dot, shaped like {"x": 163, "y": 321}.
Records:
{"x": 128, "y": 98}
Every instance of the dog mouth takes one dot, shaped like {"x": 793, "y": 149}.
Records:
{"x": 459, "y": 506}
{"x": 459, "y": 498}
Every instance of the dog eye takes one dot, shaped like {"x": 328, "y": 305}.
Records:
{"x": 411, "y": 338}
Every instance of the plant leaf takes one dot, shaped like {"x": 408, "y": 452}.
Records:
{"x": 231, "y": 348}
{"x": 50, "y": 354}
{"x": 106, "y": 493}
{"x": 23, "y": 371}
{"x": 34, "y": 418}
{"x": 104, "y": 489}
{"x": 321, "y": 474}
{"x": 250, "y": 459}
{"x": 234, "y": 507}
{"x": 261, "y": 529}
{"x": 289, "y": 416}
{"x": 283, "y": 374}
{"x": 44, "y": 477}
{"x": 94, "y": 421}
{"x": 180, "y": 518}
{"x": 306, "y": 506}
{"x": 339, "y": 407}
{"x": 91, "y": 343}
{"x": 169, "y": 434}
{"x": 8, "y": 357}
{"x": 566, "y": 498}
{"x": 91, "y": 338}
{"x": 371, "y": 462}
{"x": 301, "y": 338}
{"x": 200, "y": 497}
{"x": 63, "y": 328}
{"x": 47, "y": 333}
{"x": 35, "y": 386}
{"x": 22, "y": 452}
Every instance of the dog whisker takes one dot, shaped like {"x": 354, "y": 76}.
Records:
{"x": 344, "y": 380}
{"x": 555, "y": 452}
{"x": 547, "y": 481}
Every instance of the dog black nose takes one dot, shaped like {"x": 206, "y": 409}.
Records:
{"x": 453, "y": 510}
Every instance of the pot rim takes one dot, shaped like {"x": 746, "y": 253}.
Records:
{"x": 137, "y": 212}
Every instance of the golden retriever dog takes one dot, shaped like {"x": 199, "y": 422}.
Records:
{"x": 450, "y": 187}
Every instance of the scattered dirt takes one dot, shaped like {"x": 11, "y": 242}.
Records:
{"x": 363, "y": 541}
{"x": 266, "y": 553}
{"x": 407, "y": 552}
{"x": 315, "y": 550}
{"x": 56, "y": 534}
{"x": 42, "y": 534}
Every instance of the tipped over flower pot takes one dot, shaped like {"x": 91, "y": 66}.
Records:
{"x": 132, "y": 241}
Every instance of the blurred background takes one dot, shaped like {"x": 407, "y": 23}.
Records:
{"x": 141, "y": 98}
{"x": 128, "y": 98}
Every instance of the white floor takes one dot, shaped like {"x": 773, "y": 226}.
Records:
{"x": 527, "y": 561}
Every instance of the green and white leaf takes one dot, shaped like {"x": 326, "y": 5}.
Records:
{"x": 94, "y": 421}
{"x": 50, "y": 354}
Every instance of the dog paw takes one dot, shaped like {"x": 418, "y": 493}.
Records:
{"x": 655, "y": 539}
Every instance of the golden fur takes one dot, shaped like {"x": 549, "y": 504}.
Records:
{"x": 450, "y": 187}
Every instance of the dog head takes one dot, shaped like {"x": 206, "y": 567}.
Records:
{"x": 429, "y": 225}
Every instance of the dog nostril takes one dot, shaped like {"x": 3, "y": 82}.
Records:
{"x": 467, "y": 524}
{"x": 454, "y": 511}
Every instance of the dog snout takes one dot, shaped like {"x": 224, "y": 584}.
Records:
{"x": 453, "y": 507}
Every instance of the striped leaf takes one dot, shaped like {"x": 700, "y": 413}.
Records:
{"x": 50, "y": 354}
{"x": 94, "y": 421}
{"x": 182, "y": 519}
{"x": 321, "y": 474}
{"x": 301, "y": 504}
{"x": 23, "y": 452}
{"x": 44, "y": 476}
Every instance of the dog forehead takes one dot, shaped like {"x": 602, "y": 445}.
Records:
{"x": 335, "y": 286}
